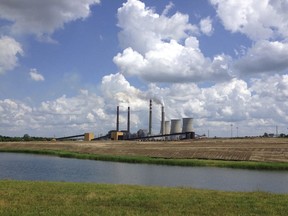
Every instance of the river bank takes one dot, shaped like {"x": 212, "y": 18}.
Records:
{"x": 160, "y": 161}
{"x": 259, "y": 153}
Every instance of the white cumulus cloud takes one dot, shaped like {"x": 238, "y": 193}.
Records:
{"x": 43, "y": 18}
{"x": 264, "y": 56}
{"x": 142, "y": 28}
{"x": 173, "y": 62}
{"x": 35, "y": 75}
{"x": 258, "y": 19}
{"x": 14, "y": 114}
{"x": 9, "y": 51}
{"x": 158, "y": 48}
{"x": 265, "y": 22}
{"x": 206, "y": 26}
{"x": 270, "y": 99}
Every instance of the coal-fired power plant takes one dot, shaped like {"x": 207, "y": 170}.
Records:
{"x": 169, "y": 130}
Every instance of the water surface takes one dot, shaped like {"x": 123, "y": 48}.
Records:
{"x": 50, "y": 168}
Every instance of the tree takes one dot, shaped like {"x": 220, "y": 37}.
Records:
{"x": 26, "y": 137}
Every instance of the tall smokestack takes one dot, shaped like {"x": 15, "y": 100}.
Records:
{"x": 128, "y": 121}
{"x": 162, "y": 131}
{"x": 117, "y": 119}
{"x": 150, "y": 118}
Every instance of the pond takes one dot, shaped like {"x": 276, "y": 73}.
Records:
{"x": 50, "y": 168}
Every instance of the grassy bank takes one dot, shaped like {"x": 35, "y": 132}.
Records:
{"x": 50, "y": 198}
{"x": 159, "y": 161}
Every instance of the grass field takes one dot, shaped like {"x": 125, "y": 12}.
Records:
{"x": 260, "y": 149}
{"x": 58, "y": 198}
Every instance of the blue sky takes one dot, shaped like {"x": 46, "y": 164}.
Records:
{"x": 64, "y": 66}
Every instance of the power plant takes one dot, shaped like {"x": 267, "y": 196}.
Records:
{"x": 169, "y": 130}
{"x": 174, "y": 129}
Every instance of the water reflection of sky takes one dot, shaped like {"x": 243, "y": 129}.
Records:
{"x": 48, "y": 168}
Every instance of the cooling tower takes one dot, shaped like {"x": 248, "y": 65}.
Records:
{"x": 187, "y": 125}
{"x": 167, "y": 127}
{"x": 175, "y": 126}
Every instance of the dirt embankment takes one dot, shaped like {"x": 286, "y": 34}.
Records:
{"x": 269, "y": 149}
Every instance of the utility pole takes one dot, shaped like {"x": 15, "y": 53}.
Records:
{"x": 231, "y": 130}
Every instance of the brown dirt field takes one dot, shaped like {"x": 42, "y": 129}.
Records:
{"x": 258, "y": 149}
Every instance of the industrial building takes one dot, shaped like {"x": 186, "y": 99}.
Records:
{"x": 174, "y": 129}
{"x": 170, "y": 130}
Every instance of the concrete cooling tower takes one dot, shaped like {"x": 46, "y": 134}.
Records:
{"x": 187, "y": 125}
{"x": 175, "y": 126}
{"x": 167, "y": 127}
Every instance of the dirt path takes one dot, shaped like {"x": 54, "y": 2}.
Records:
{"x": 269, "y": 149}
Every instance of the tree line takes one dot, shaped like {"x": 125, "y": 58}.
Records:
{"x": 281, "y": 135}
{"x": 26, "y": 137}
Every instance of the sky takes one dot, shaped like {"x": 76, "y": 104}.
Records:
{"x": 66, "y": 65}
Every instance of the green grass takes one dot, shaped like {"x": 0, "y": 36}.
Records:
{"x": 59, "y": 198}
{"x": 159, "y": 161}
